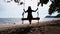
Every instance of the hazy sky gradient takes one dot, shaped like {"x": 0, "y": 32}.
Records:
{"x": 13, "y": 10}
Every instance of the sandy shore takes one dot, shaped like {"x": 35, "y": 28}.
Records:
{"x": 10, "y": 26}
{"x": 42, "y": 28}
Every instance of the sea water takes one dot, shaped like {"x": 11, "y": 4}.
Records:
{"x": 10, "y": 20}
{"x": 18, "y": 20}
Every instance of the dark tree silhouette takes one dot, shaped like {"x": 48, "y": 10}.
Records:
{"x": 43, "y": 2}
{"x": 16, "y": 1}
{"x": 55, "y": 6}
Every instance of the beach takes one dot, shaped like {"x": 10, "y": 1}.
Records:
{"x": 44, "y": 27}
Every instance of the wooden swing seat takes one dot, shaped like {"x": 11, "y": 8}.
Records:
{"x": 31, "y": 18}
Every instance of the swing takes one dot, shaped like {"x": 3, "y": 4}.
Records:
{"x": 37, "y": 18}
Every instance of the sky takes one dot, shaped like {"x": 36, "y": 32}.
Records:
{"x": 14, "y": 10}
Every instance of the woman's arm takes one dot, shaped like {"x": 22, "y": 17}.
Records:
{"x": 23, "y": 13}
{"x": 24, "y": 10}
{"x": 35, "y": 10}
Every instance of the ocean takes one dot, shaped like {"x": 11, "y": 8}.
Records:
{"x": 18, "y": 20}
{"x": 9, "y": 20}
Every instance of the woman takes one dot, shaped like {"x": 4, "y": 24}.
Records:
{"x": 29, "y": 11}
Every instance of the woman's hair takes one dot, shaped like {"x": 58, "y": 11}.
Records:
{"x": 29, "y": 8}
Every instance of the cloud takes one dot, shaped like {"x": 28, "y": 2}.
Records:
{"x": 1, "y": 8}
{"x": 13, "y": 10}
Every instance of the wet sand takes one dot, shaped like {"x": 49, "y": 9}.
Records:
{"x": 46, "y": 27}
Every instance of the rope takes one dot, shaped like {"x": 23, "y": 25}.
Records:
{"x": 23, "y": 8}
{"x": 38, "y": 11}
{"x": 24, "y": 4}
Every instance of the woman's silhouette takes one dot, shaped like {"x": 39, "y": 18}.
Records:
{"x": 29, "y": 11}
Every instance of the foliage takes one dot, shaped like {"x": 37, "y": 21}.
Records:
{"x": 55, "y": 6}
